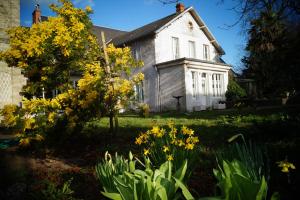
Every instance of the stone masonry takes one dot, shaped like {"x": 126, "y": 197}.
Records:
{"x": 11, "y": 79}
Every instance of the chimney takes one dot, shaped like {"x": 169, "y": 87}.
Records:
{"x": 36, "y": 15}
{"x": 179, "y": 7}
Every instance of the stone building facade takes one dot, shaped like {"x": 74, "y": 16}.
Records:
{"x": 11, "y": 79}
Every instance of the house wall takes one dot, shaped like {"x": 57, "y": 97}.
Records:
{"x": 172, "y": 83}
{"x": 180, "y": 29}
{"x": 150, "y": 86}
{"x": 11, "y": 79}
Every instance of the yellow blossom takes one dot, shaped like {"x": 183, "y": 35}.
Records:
{"x": 166, "y": 149}
{"x": 189, "y": 146}
{"x": 170, "y": 157}
{"x": 38, "y": 137}
{"x": 146, "y": 152}
{"x": 138, "y": 141}
{"x": 285, "y": 165}
{"x": 24, "y": 142}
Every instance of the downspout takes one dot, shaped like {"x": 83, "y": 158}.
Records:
{"x": 158, "y": 87}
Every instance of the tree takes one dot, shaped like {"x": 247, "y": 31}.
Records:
{"x": 49, "y": 53}
{"x": 272, "y": 58}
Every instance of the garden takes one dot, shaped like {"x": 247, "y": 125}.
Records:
{"x": 85, "y": 165}
{"x": 78, "y": 145}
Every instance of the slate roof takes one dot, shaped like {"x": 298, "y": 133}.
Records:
{"x": 143, "y": 31}
{"x": 108, "y": 32}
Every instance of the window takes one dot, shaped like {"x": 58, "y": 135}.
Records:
{"x": 216, "y": 85}
{"x": 194, "y": 84}
{"x": 137, "y": 53}
{"x": 190, "y": 25}
{"x": 192, "y": 49}
{"x": 139, "y": 92}
{"x": 175, "y": 46}
{"x": 203, "y": 84}
{"x": 205, "y": 52}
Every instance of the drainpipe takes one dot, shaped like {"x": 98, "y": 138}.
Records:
{"x": 158, "y": 87}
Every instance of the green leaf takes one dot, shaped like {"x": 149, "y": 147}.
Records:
{"x": 180, "y": 173}
{"x": 262, "y": 193}
{"x": 275, "y": 196}
{"x": 234, "y": 137}
{"x": 186, "y": 193}
{"x": 162, "y": 193}
{"x": 114, "y": 196}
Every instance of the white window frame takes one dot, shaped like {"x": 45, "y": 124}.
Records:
{"x": 175, "y": 47}
{"x": 217, "y": 84}
{"x": 192, "y": 49}
{"x": 206, "y": 52}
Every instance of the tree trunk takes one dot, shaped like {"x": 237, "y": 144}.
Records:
{"x": 116, "y": 125}
{"x": 111, "y": 123}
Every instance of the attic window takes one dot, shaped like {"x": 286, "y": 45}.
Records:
{"x": 190, "y": 25}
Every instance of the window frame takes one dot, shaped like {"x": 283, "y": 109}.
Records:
{"x": 206, "y": 52}
{"x": 192, "y": 49}
{"x": 175, "y": 48}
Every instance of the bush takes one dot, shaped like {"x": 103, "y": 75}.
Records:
{"x": 170, "y": 144}
{"x": 144, "y": 110}
{"x": 9, "y": 116}
{"x": 234, "y": 91}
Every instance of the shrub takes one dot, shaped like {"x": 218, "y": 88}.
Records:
{"x": 144, "y": 110}
{"x": 170, "y": 144}
{"x": 9, "y": 116}
{"x": 149, "y": 184}
{"x": 234, "y": 91}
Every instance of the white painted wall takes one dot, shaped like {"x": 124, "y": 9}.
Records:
{"x": 180, "y": 29}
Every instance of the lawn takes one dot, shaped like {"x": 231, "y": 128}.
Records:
{"x": 274, "y": 128}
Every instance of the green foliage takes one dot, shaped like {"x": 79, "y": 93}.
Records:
{"x": 110, "y": 167}
{"x": 54, "y": 192}
{"x": 144, "y": 110}
{"x": 242, "y": 171}
{"x": 236, "y": 182}
{"x": 253, "y": 157}
{"x": 149, "y": 184}
{"x": 272, "y": 48}
{"x": 234, "y": 91}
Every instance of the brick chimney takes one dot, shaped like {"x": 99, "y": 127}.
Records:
{"x": 179, "y": 7}
{"x": 36, "y": 15}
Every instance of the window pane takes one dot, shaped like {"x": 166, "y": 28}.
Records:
{"x": 205, "y": 52}
{"x": 175, "y": 44}
{"x": 192, "y": 49}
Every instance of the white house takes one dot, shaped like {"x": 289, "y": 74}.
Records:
{"x": 182, "y": 59}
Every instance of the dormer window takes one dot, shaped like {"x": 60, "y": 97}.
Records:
{"x": 190, "y": 25}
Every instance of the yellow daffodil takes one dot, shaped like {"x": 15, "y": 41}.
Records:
{"x": 189, "y": 146}
{"x": 166, "y": 149}
{"x": 146, "y": 152}
{"x": 285, "y": 166}
{"x": 170, "y": 157}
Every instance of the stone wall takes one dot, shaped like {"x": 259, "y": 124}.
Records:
{"x": 11, "y": 79}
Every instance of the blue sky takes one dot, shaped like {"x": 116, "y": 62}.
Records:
{"x": 130, "y": 14}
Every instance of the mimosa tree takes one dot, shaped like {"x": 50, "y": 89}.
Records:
{"x": 49, "y": 53}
